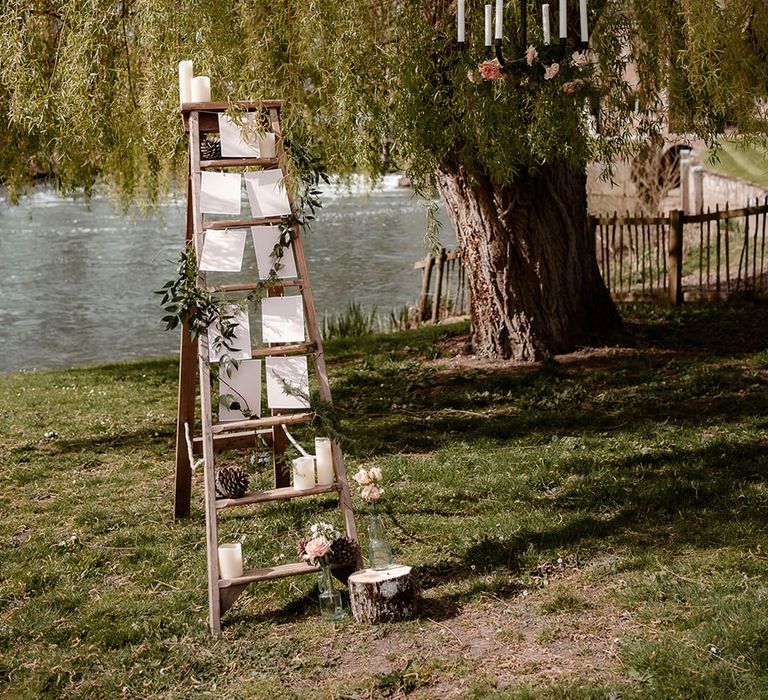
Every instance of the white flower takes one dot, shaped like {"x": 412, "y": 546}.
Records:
{"x": 375, "y": 473}
{"x": 362, "y": 477}
{"x": 579, "y": 59}
{"x": 531, "y": 55}
{"x": 371, "y": 492}
{"x": 551, "y": 71}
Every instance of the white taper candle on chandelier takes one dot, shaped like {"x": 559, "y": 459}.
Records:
{"x": 201, "y": 89}
{"x": 489, "y": 25}
{"x": 583, "y": 20}
{"x": 562, "y": 17}
{"x": 460, "y": 20}
{"x": 545, "y": 22}
{"x": 185, "y": 81}
{"x": 499, "y": 19}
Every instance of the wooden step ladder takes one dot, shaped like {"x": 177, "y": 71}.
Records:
{"x": 202, "y": 118}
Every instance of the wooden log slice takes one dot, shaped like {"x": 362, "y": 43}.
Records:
{"x": 382, "y": 596}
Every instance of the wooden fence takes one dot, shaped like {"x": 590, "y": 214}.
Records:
{"x": 709, "y": 255}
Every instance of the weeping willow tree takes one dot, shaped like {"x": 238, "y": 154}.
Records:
{"x": 88, "y": 93}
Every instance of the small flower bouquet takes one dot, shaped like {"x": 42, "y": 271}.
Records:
{"x": 327, "y": 547}
{"x": 368, "y": 480}
{"x": 379, "y": 549}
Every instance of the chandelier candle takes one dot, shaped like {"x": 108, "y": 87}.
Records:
{"x": 185, "y": 82}
{"x": 562, "y": 17}
{"x": 583, "y": 21}
{"x": 324, "y": 457}
{"x": 544, "y": 22}
{"x": 230, "y": 560}
{"x": 499, "y": 20}
{"x": 303, "y": 473}
{"x": 488, "y": 26}
{"x": 460, "y": 19}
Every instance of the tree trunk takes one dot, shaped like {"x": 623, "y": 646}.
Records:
{"x": 529, "y": 255}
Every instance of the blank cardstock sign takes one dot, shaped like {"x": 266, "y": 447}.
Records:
{"x": 241, "y": 343}
{"x": 245, "y": 386}
{"x": 266, "y": 193}
{"x": 223, "y": 250}
{"x": 220, "y": 193}
{"x": 287, "y": 382}
{"x": 239, "y": 140}
{"x": 265, "y": 238}
{"x": 282, "y": 319}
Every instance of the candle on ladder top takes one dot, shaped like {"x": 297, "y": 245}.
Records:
{"x": 303, "y": 473}
{"x": 562, "y": 17}
{"x": 230, "y": 560}
{"x": 185, "y": 81}
{"x": 583, "y": 21}
{"x": 201, "y": 89}
{"x": 488, "y": 26}
{"x": 324, "y": 457}
{"x": 460, "y": 20}
{"x": 545, "y": 22}
{"x": 499, "y": 19}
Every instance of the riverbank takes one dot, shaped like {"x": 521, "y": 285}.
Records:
{"x": 589, "y": 527}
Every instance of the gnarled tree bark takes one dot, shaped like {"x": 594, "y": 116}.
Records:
{"x": 535, "y": 286}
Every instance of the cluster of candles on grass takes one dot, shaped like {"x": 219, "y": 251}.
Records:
{"x": 308, "y": 471}
{"x": 498, "y": 35}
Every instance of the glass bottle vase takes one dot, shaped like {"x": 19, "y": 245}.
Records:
{"x": 379, "y": 550}
{"x": 331, "y": 606}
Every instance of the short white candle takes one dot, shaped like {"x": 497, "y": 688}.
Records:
{"x": 201, "y": 89}
{"x": 267, "y": 145}
{"x": 583, "y": 20}
{"x": 324, "y": 458}
{"x": 545, "y": 22}
{"x": 230, "y": 560}
{"x": 303, "y": 473}
{"x": 185, "y": 81}
{"x": 460, "y": 20}
{"x": 562, "y": 16}
{"x": 499, "y": 19}
{"x": 488, "y": 25}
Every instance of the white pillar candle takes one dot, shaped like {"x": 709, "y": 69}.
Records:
{"x": 488, "y": 25}
{"x": 499, "y": 19}
{"x": 460, "y": 20}
{"x": 267, "y": 145}
{"x": 303, "y": 473}
{"x": 324, "y": 458}
{"x": 545, "y": 22}
{"x": 583, "y": 20}
{"x": 201, "y": 89}
{"x": 185, "y": 81}
{"x": 230, "y": 560}
{"x": 562, "y": 16}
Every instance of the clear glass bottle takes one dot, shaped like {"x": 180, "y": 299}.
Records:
{"x": 331, "y": 606}
{"x": 379, "y": 550}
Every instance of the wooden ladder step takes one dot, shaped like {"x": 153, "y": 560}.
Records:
{"x": 245, "y": 223}
{"x": 282, "y": 494}
{"x": 265, "y": 163}
{"x": 250, "y": 286}
{"x": 228, "y": 441}
{"x": 273, "y": 572}
{"x": 266, "y": 422}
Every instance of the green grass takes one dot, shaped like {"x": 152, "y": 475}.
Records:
{"x": 578, "y": 529}
{"x": 749, "y": 163}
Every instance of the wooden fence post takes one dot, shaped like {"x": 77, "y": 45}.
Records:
{"x": 675, "y": 288}
{"x": 438, "y": 286}
{"x": 426, "y": 276}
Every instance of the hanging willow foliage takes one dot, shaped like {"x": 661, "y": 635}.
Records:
{"x": 88, "y": 90}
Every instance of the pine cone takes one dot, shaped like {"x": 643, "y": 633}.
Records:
{"x": 210, "y": 148}
{"x": 231, "y": 482}
{"x": 344, "y": 554}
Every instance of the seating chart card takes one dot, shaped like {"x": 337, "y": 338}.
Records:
{"x": 223, "y": 250}
{"x": 265, "y": 238}
{"x": 266, "y": 193}
{"x": 287, "y": 382}
{"x": 282, "y": 320}
{"x": 220, "y": 193}
{"x": 239, "y": 140}
{"x": 241, "y": 343}
{"x": 245, "y": 386}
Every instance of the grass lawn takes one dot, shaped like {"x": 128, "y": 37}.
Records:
{"x": 590, "y": 527}
{"x": 749, "y": 163}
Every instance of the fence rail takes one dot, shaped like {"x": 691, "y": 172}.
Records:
{"x": 709, "y": 255}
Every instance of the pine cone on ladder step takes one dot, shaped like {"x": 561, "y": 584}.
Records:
{"x": 210, "y": 148}
{"x": 231, "y": 482}
{"x": 345, "y": 552}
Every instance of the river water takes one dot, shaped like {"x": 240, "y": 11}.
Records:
{"x": 77, "y": 278}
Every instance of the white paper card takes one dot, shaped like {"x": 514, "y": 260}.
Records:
{"x": 288, "y": 382}
{"x": 265, "y": 238}
{"x": 220, "y": 192}
{"x": 239, "y": 140}
{"x": 266, "y": 193}
{"x": 282, "y": 319}
{"x": 223, "y": 250}
{"x": 240, "y": 344}
{"x": 245, "y": 386}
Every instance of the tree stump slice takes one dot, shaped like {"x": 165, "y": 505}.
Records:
{"x": 382, "y": 596}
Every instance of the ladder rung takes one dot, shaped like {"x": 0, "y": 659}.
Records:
{"x": 280, "y": 350}
{"x": 281, "y": 494}
{"x": 250, "y": 286}
{"x": 266, "y": 163}
{"x": 267, "y": 422}
{"x": 272, "y": 572}
{"x": 244, "y": 223}
{"x": 224, "y": 441}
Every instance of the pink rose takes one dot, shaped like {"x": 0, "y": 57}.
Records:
{"x": 551, "y": 71}
{"x": 573, "y": 86}
{"x": 531, "y": 55}
{"x": 362, "y": 477}
{"x": 371, "y": 492}
{"x": 490, "y": 70}
{"x": 579, "y": 59}
{"x": 375, "y": 473}
{"x": 316, "y": 548}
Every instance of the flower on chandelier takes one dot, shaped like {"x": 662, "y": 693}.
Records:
{"x": 551, "y": 71}
{"x": 531, "y": 55}
{"x": 490, "y": 70}
{"x": 579, "y": 59}
{"x": 573, "y": 86}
